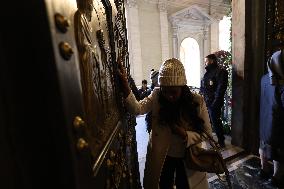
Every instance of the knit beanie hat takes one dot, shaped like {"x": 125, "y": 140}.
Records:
{"x": 172, "y": 73}
{"x": 154, "y": 73}
{"x": 154, "y": 76}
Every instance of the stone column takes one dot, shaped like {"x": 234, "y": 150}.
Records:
{"x": 133, "y": 26}
{"x": 200, "y": 40}
{"x": 164, "y": 31}
{"x": 238, "y": 52}
{"x": 206, "y": 47}
{"x": 214, "y": 36}
{"x": 248, "y": 44}
{"x": 175, "y": 43}
{"x": 204, "y": 50}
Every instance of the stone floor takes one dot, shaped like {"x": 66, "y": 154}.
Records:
{"x": 242, "y": 170}
{"x": 243, "y": 175}
{"x": 142, "y": 138}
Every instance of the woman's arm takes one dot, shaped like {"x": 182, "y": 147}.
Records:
{"x": 132, "y": 104}
{"x": 141, "y": 107}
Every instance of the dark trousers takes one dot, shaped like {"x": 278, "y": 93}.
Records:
{"x": 215, "y": 118}
{"x": 173, "y": 172}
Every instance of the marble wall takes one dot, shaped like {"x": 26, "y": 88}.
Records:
{"x": 150, "y": 29}
{"x": 153, "y": 38}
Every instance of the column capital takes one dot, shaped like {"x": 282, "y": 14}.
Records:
{"x": 163, "y": 6}
{"x": 205, "y": 35}
{"x": 132, "y": 3}
{"x": 175, "y": 32}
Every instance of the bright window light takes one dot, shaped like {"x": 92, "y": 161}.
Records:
{"x": 190, "y": 57}
{"x": 224, "y": 34}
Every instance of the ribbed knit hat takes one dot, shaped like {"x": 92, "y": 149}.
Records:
{"x": 154, "y": 74}
{"x": 172, "y": 73}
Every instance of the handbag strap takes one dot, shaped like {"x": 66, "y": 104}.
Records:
{"x": 211, "y": 140}
{"x": 205, "y": 135}
{"x": 216, "y": 147}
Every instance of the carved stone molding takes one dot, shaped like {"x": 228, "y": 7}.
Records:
{"x": 219, "y": 6}
{"x": 205, "y": 34}
{"x": 152, "y": 1}
{"x": 191, "y": 16}
{"x": 217, "y": 16}
{"x": 175, "y": 32}
{"x": 191, "y": 22}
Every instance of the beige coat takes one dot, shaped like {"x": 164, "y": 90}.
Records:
{"x": 159, "y": 141}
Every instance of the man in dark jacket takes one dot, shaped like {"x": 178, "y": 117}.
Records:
{"x": 144, "y": 90}
{"x": 272, "y": 120}
{"x": 213, "y": 88}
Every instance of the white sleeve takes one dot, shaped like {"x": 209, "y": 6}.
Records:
{"x": 141, "y": 107}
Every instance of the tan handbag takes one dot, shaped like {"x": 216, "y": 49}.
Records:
{"x": 206, "y": 160}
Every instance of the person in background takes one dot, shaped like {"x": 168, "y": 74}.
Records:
{"x": 144, "y": 90}
{"x": 272, "y": 121}
{"x": 154, "y": 79}
{"x": 213, "y": 88}
{"x": 154, "y": 83}
{"x": 178, "y": 115}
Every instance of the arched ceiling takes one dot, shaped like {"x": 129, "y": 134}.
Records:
{"x": 216, "y": 8}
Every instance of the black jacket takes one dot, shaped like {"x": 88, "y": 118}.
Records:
{"x": 214, "y": 85}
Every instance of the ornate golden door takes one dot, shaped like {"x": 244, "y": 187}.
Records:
{"x": 274, "y": 25}
{"x": 79, "y": 132}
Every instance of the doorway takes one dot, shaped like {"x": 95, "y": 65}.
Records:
{"x": 190, "y": 57}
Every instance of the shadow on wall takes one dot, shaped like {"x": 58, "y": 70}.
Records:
{"x": 237, "y": 107}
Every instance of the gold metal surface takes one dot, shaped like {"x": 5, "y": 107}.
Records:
{"x": 66, "y": 50}
{"x": 61, "y": 22}
{"x": 109, "y": 163}
{"x": 112, "y": 154}
{"x": 96, "y": 31}
{"x": 82, "y": 144}
{"x": 78, "y": 122}
{"x": 280, "y": 36}
{"x": 274, "y": 26}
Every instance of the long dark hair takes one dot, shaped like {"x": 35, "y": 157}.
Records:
{"x": 170, "y": 114}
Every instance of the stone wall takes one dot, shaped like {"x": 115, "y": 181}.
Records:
{"x": 144, "y": 31}
{"x": 248, "y": 59}
{"x": 238, "y": 51}
{"x": 150, "y": 37}
{"x": 153, "y": 38}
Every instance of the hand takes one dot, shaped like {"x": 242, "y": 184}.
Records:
{"x": 179, "y": 131}
{"x": 123, "y": 78}
{"x": 193, "y": 137}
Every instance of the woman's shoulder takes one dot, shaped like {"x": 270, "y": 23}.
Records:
{"x": 155, "y": 93}
{"x": 197, "y": 97}
{"x": 156, "y": 89}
